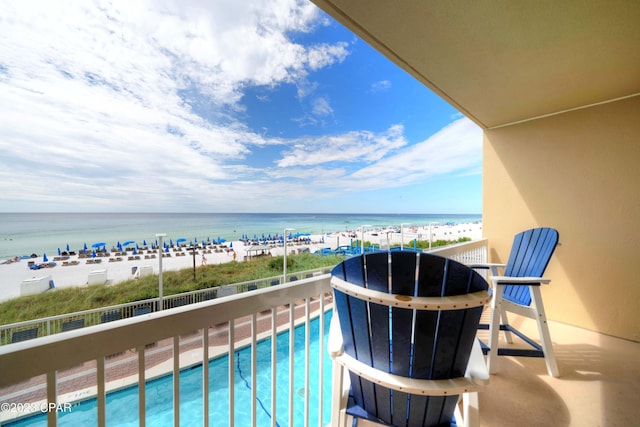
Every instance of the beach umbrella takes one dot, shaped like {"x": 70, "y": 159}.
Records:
{"x": 58, "y": 251}
{"x": 93, "y": 254}
{"x": 180, "y": 240}
{"x": 119, "y": 247}
{"x": 67, "y": 247}
{"x": 231, "y": 244}
{"x": 166, "y": 249}
{"x": 85, "y": 248}
{"x": 98, "y": 245}
{"x": 128, "y": 242}
{"x": 144, "y": 243}
{"x": 44, "y": 258}
{"x": 135, "y": 251}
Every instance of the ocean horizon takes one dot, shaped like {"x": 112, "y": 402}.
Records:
{"x": 23, "y": 234}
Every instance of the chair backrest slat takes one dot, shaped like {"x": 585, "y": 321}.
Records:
{"x": 530, "y": 254}
{"x": 425, "y": 344}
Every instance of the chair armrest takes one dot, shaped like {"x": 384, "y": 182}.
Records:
{"x": 443, "y": 387}
{"x": 334, "y": 344}
{"x": 477, "y": 369}
{"x": 486, "y": 265}
{"x": 507, "y": 280}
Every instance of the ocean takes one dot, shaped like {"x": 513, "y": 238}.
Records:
{"x": 23, "y": 234}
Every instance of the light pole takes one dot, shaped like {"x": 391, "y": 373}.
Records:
{"x": 160, "y": 236}
{"x": 362, "y": 238}
{"x": 284, "y": 267}
{"x": 430, "y": 235}
{"x": 402, "y": 234}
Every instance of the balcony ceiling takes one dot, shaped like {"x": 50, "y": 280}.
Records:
{"x": 502, "y": 61}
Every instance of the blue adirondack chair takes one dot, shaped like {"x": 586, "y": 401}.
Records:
{"x": 404, "y": 327}
{"x": 517, "y": 290}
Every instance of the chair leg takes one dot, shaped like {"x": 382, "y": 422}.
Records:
{"x": 543, "y": 330}
{"x": 470, "y": 409}
{"x": 494, "y": 329}
{"x": 339, "y": 395}
{"x": 505, "y": 321}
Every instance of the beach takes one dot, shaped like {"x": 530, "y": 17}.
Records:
{"x": 76, "y": 270}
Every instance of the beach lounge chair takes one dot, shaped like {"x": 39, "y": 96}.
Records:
{"x": 518, "y": 291}
{"x": 179, "y": 302}
{"x": 24, "y": 335}
{"x": 206, "y": 296}
{"x": 110, "y": 316}
{"x": 72, "y": 324}
{"x": 404, "y": 327}
{"x": 143, "y": 309}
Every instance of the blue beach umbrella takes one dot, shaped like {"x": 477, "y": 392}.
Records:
{"x": 180, "y": 240}
{"x": 128, "y": 242}
{"x": 144, "y": 243}
{"x": 85, "y": 248}
{"x": 93, "y": 254}
{"x": 67, "y": 247}
{"x": 58, "y": 251}
{"x": 98, "y": 245}
{"x": 44, "y": 258}
{"x": 135, "y": 251}
{"x": 166, "y": 249}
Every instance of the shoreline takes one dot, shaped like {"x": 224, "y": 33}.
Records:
{"x": 76, "y": 271}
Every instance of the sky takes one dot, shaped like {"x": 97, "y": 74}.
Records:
{"x": 218, "y": 106}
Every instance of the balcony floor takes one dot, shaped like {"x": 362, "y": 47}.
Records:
{"x": 599, "y": 383}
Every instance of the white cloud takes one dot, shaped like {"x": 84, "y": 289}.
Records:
{"x": 139, "y": 106}
{"x": 376, "y": 161}
{"x": 457, "y": 149}
{"x": 136, "y": 100}
{"x": 349, "y": 147}
{"x": 381, "y": 86}
{"x": 321, "y": 107}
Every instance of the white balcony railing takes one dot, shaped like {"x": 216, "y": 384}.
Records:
{"x": 53, "y": 373}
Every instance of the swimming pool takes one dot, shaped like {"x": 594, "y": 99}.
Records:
{"x": 122, "y": 405}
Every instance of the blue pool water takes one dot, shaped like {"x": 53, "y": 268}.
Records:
{"x": 122, "y": 406}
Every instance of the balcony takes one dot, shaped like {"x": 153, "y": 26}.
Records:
{"x": 291, "y": 385}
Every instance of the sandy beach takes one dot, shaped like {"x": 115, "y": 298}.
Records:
{"x": 75, "y": 271}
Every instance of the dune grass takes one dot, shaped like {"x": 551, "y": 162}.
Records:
{"x": 74, "y": 299}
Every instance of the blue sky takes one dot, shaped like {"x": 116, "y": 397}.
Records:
{"x": 225, "y": 106}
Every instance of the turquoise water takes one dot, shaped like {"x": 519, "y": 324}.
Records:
{"x": 122, "y": 406}
{"x": 26, "y": 233}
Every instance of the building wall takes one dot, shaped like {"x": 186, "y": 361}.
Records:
{"x": 578, "y": 172}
